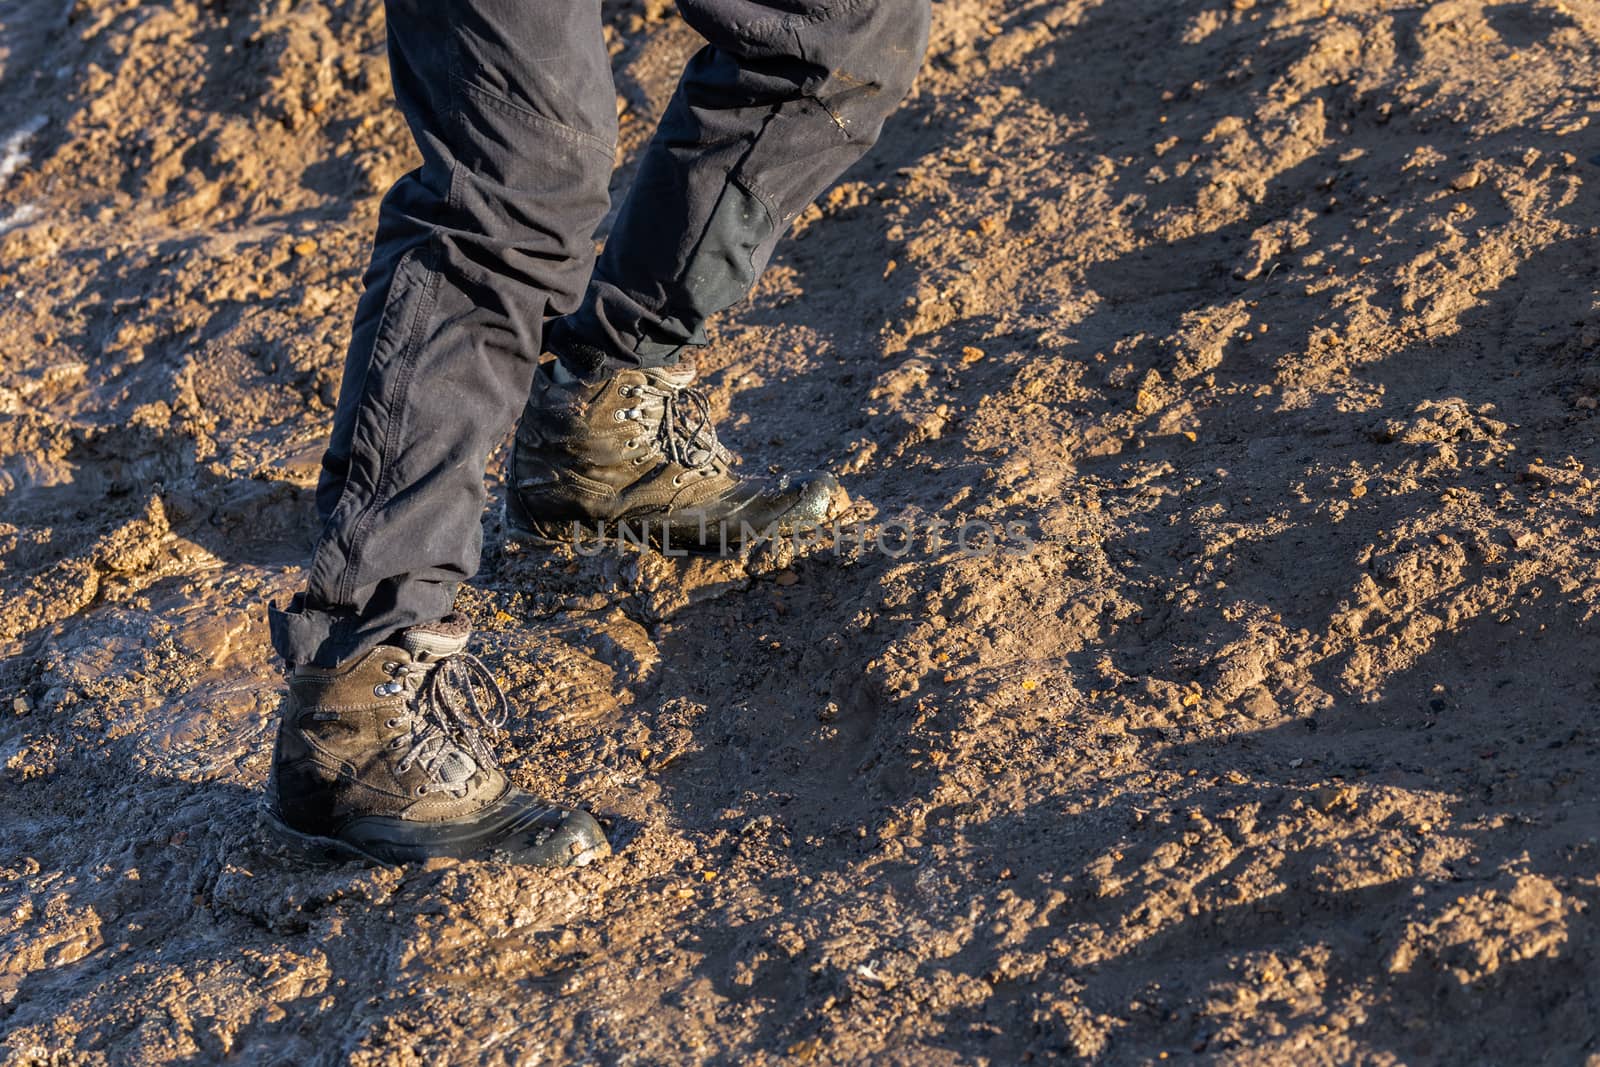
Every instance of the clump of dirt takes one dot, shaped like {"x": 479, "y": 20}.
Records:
{"x": 1262, "y": 330}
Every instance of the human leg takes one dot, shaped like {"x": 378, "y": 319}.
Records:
{"x": 383, "y": 743}
{"x": 512, "y": 107}
{"x": 781, "y": 100}
{"x": 784, "y": 97}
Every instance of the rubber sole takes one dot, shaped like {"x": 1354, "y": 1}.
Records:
{"x": 312, "y": 848}
{"x": 317, "y": 850}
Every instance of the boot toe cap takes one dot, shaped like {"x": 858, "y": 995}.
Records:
{"x": 814, "y": 503}
{"x": 577, "y": 841}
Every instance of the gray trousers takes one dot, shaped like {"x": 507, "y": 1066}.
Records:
{"x": 484, "y": 255}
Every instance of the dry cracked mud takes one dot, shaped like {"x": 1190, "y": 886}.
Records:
{"x": 1265, "y": 328}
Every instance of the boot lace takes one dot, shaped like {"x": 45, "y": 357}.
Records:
{"x": 685, "y": 434}
{"x": 454, "y": 702}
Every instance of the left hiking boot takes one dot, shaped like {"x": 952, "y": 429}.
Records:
{"x": 635, "y": 457}
{"x": 385, "y": 758}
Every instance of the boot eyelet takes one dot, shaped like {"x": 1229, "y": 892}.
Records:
{"x": 621, "y": 415}
{"x": 677, "y": 481}
{"x": 398, "y": 743}
{"x": 391, "y": 724}
{"x": 390, "y": 667}
{"x": 422, "y": 790}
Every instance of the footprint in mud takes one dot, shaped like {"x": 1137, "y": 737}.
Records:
{"x": 651, "y": 587}
{"x": 182, "y": 690}
{"x": 285, "y": 895}
{"x": 249, "y": 520}
{"x": 1525, "y": 25}
{"x": 49, "y": 579}
{"x": 572, "y": 669}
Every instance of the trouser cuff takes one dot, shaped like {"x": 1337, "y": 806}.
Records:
{"x": 304, "y": 637}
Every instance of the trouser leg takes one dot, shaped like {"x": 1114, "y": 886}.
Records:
{"x": 784, "y": 97}
{"x": 512, "y": 106}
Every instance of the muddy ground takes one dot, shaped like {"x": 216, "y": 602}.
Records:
{"x": 1269, "y": 324}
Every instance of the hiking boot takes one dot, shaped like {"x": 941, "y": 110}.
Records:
{"x": 635, "y": 457}
{"x": 383, "y": 758}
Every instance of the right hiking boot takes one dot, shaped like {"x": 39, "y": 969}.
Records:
{"x": 383, "y": 758}
{"x": 634, "y": 457}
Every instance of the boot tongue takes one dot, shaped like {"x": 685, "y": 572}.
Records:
{"x": 455, "y": 768}
{"x": 433, "y": 643}
{"x": 436, "y": 641}
{"x": 678, "y": 376}
{"x": 697, "y": 438}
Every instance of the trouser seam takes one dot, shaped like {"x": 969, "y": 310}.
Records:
{"x": 406, "y": 366}
{"x": 326, "y": 541}
{"x": 391, "y": 437}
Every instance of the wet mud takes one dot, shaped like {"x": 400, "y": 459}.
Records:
{"x": 1265, "y": 329}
